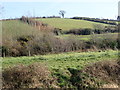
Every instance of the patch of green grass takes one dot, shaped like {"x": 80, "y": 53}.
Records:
{"x": 67, "y": 24}
{"x": 63, "y": 60}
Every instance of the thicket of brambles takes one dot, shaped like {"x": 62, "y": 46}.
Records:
{"x": 49, "y": 43}
{"x": 36, "y": 75}
{"x": 39, "y": 25}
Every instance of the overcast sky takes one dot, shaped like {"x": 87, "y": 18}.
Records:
{"x": 83, "y": 8}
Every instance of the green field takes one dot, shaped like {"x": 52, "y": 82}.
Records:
{"x": 67, "y": 24}
{"x": 63, "y": 60}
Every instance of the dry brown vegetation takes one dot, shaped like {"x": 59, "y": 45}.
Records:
{"x": 98, "y": 75}
{"x": 37, "y": 24}
{"x": 32, "y": 76}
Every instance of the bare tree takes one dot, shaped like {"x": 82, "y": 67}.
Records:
{"x": 62, "y": 13}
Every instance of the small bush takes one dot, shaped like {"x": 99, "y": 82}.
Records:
{"x": 47, "y": 42}
{"x": 57, "y": 31}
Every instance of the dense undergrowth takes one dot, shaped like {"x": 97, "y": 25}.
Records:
{"x": 48, "y": 43}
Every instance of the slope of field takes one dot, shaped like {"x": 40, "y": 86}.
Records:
{"x": 16, "y": 28}
{"x": 67, "y": 24}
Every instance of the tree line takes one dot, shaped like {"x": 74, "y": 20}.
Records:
{"x": 105, "y": 21}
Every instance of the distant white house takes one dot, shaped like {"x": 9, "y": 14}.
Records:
{"x": 118, "y": 18}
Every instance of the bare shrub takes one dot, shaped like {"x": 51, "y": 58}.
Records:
{"x": 73, "y": 44}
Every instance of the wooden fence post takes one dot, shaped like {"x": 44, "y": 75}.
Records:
{"x": 29, "y": 53}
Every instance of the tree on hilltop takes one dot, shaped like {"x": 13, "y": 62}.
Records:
{"x": 62, "y": 13}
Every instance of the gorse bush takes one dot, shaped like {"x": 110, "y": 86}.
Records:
{"x": 50, "y": 44}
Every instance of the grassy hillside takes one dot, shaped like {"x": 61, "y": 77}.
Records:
{"x": 16, "y": 28}
{"x": 67, "y": 24}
